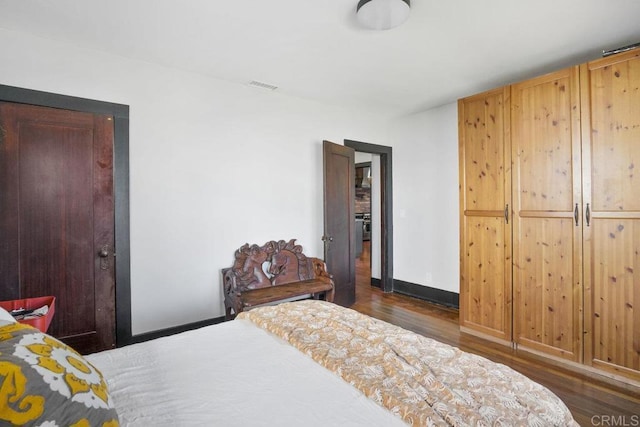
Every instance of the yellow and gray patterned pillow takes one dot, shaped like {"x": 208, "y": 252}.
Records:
{"x": 45, "y": 382}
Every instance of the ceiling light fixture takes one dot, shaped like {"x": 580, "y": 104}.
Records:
{"x": 382, "y": 14}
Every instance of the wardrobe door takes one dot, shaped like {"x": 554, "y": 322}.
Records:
{"x": 547, "y": 227}
{"x": 485, "y": 185}
{"x": 611, "y": 143}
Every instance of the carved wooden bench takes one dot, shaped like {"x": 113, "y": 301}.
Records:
{"x": 273, "y": 272}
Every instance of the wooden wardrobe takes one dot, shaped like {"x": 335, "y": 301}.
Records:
{"x": 550, "y": 215}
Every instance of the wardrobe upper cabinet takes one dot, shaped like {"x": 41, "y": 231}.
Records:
{"x": 547, "y": 224}
{"x": 485, "y": 186}
{"x": 611, "y": 147}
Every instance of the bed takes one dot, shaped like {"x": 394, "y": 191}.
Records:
{"x": 309, "y": 363}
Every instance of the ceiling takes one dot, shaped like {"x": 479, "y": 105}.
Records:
{"x": 315, "y": 49}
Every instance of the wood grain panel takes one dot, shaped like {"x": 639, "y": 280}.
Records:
{"x": 487, "y": 293}
{"x": 545, "y": 129}
{"x": 56, "y": 207}
{"x": 485, "y": 186}
{"x": 9, "y": 206}
{"x": 104, "y": 231}
{"x": 482, "y": 130}
{"x": 615, "y": 136}
{"x": 611, "y": 147}
{"x": 547, "y": 306}
{"x": 615, "y": 244}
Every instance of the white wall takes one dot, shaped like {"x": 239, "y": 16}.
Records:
{"x": 425, "y": 198}
{"x": 213, "y": 165}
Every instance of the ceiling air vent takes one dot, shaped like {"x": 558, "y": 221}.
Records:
{"x": 262, "y": 85}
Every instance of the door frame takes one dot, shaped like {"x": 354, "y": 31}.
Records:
{"x": 386, "y": 208}
{"x": 120, "y": 113}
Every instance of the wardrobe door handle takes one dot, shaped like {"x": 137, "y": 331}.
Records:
{"x": 587, "y": 215}
{"x": 506, "y": 213}
{"x": 575, "y": 214}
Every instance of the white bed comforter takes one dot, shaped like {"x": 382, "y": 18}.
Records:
{"x": 232, "y": 374}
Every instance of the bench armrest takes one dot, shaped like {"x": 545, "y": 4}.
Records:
{"x": 229, "y": 282}
{"x": 320, "y": 269}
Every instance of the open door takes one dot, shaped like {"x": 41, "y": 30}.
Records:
{"x": 339, "y": 209}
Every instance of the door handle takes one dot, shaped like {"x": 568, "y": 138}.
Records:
{"x": 587, "y": 215}
{"x": 575, "y": 214}
{"x": 327, "y": 239}
{"x": 506, "y": 213}
{"x": 104, "y": 257}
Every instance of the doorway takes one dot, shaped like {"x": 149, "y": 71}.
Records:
{"x": 56, "y": 218}
{"x": 385, "y": 220}
{"x": 120, "y": 115}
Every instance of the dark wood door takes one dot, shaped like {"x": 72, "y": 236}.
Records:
{"x": 57, "y": 218}
{"x": 339, "y": 211}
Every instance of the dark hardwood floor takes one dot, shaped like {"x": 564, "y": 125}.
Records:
{"x": 592, "y": 400}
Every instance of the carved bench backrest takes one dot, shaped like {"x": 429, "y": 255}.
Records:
{"x": 289, "y": 264}
{"x": 272, "y": 264}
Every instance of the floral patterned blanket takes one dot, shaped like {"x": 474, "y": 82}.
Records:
{"x": 423, "y": 381}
